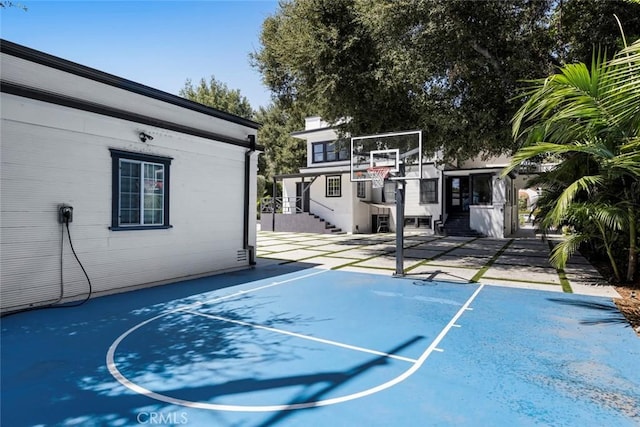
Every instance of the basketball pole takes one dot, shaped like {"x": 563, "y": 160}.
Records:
{"x": 400, "y": 225}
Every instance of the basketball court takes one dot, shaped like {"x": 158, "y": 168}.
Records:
{"x": 345, "y": 331}
{"x": 291, "y": 344}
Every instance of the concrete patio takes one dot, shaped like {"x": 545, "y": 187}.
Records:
{"x": 521, "y": 261}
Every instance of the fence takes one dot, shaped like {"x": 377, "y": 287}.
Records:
{"x": 283, "y": 205}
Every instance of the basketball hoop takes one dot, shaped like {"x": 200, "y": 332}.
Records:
{"x": 378, "y": 174}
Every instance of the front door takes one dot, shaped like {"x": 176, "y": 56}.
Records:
{"x": 457, "y": 194}
{"x": 302, "y": 197}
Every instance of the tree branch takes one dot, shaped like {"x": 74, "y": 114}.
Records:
{"x": 484, "y": 52}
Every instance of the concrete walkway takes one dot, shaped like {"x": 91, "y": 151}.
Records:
{"x": 521, "y": 261}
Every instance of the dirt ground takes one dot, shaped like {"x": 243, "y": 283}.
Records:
{"x": 629, "y": 305}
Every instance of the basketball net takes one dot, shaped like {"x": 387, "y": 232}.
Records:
{"x": 378, "y": 174}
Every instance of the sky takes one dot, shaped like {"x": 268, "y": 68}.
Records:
{"x": 157, "y": 43}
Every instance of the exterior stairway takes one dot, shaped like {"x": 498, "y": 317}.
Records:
{"x": 328, "y": 227}
{"x": 457, "y": 224}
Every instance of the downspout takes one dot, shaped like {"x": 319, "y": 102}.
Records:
{"x": 273, "y": 206}
{"x": 247, "y": 201}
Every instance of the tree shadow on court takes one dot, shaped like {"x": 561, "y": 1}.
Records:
{"x": 603, "y": 313}
{"x": 197, "y": 344}
{"x": 192, "y": 357}
{"x": 332, "y": 381}
{"x": 64, "y": 368}
{"x": 57, "y": 356}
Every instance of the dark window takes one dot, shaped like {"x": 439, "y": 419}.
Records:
{"x": 429, "y": 191}
{"x": 330, "y": 151}
{"x": 361, "y": 189}
{"x": 389, "y": 192}
{"x": 334, "y": 186}
{"x": 140, "y": 191}
{"x": 318, "y": 153}
{"x": 482, "y": 189}
{"x": 418, "y": 222}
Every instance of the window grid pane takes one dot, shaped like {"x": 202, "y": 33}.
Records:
{"x": 129, "y": 192}
{"x": 333, "y": 186}
{"x": 318, "y": 153}
{"x": 141, "y": 204}
{"x": 331, "y": 151}
{"x": 153, "y": 194}
{"x": 429, "y": 191}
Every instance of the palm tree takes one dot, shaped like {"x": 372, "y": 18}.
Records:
{"x": 590, "y": 117}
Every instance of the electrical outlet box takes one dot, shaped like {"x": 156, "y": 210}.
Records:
{"x": 65, "y": 214}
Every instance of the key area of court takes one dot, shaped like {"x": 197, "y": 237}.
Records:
{"x": 291, "y": 345}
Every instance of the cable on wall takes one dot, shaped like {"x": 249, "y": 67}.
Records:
{"x": 65, "y": 215}
{"x": 66, "y": 223}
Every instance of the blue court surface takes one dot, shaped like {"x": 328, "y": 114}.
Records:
{"x": 288, "y": 345}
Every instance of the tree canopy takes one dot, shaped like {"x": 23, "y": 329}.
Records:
{"x": 283, "y": 153}
{"x": 216, "y": 94}
{"x": 450, "y": 67}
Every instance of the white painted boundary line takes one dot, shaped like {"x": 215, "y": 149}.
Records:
{"x": 304, "y": 337}
{"x": 271, "y": 408}
{"x": 248, "y": 291}
{"x": 110, "y": 359}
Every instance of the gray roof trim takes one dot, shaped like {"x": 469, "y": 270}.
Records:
{"x": 47, "y": 60}
{"x": 83, "y": 105}
{"x": 311, "y": 174}
{"x": 310, "y": 131}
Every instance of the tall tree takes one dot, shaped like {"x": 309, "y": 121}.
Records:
{"x": 579, "y": 26}
{"x": 283, "y": 153}
{"x": 217, "y": 94}
{"x": 449, "y": 67}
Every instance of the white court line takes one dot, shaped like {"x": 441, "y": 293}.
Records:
{"x": 111, "y": 365}
{"x": 305, "y": 337}
{"x": 236, "y": 294}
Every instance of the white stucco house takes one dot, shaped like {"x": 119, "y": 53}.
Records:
{"x": 469, "y": 198}
{"x": 161, "y": 188}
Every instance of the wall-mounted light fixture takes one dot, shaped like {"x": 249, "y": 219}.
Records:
{"x": 144, "y": 137}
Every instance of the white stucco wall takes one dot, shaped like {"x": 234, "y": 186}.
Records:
{"x": 496, "y": 220}
{"x": 52, "y": 154}
{"x": 336, "y": 210}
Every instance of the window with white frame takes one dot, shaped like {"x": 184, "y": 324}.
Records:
{"x": 429, "y": 191}
{"x": 361, "y": 189}
{"x": 334, "y": 186}
{"x": 140, "y": 191}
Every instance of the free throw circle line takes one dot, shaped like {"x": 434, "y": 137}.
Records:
{"x": 110, "y": 357}
{"x": 304, "y": 337}
{"x": 272, "y": 408}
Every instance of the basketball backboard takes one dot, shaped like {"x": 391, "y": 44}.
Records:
{"x": 401, "y": 152}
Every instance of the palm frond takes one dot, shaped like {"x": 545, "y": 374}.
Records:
{"x": 561, "y": 252}
{"x": 586, "y": 183}
{"x": 623, "y": 86}
{"x": 612, "y": 217}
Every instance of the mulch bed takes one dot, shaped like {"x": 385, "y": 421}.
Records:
{"x": 629, "y": 305}
{"x": 629, "y": 301}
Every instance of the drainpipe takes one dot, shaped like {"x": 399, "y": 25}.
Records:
{"x": 247, "y": 201}
{"x": 400, "y": 229}
{"x": 273, "y": 206}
